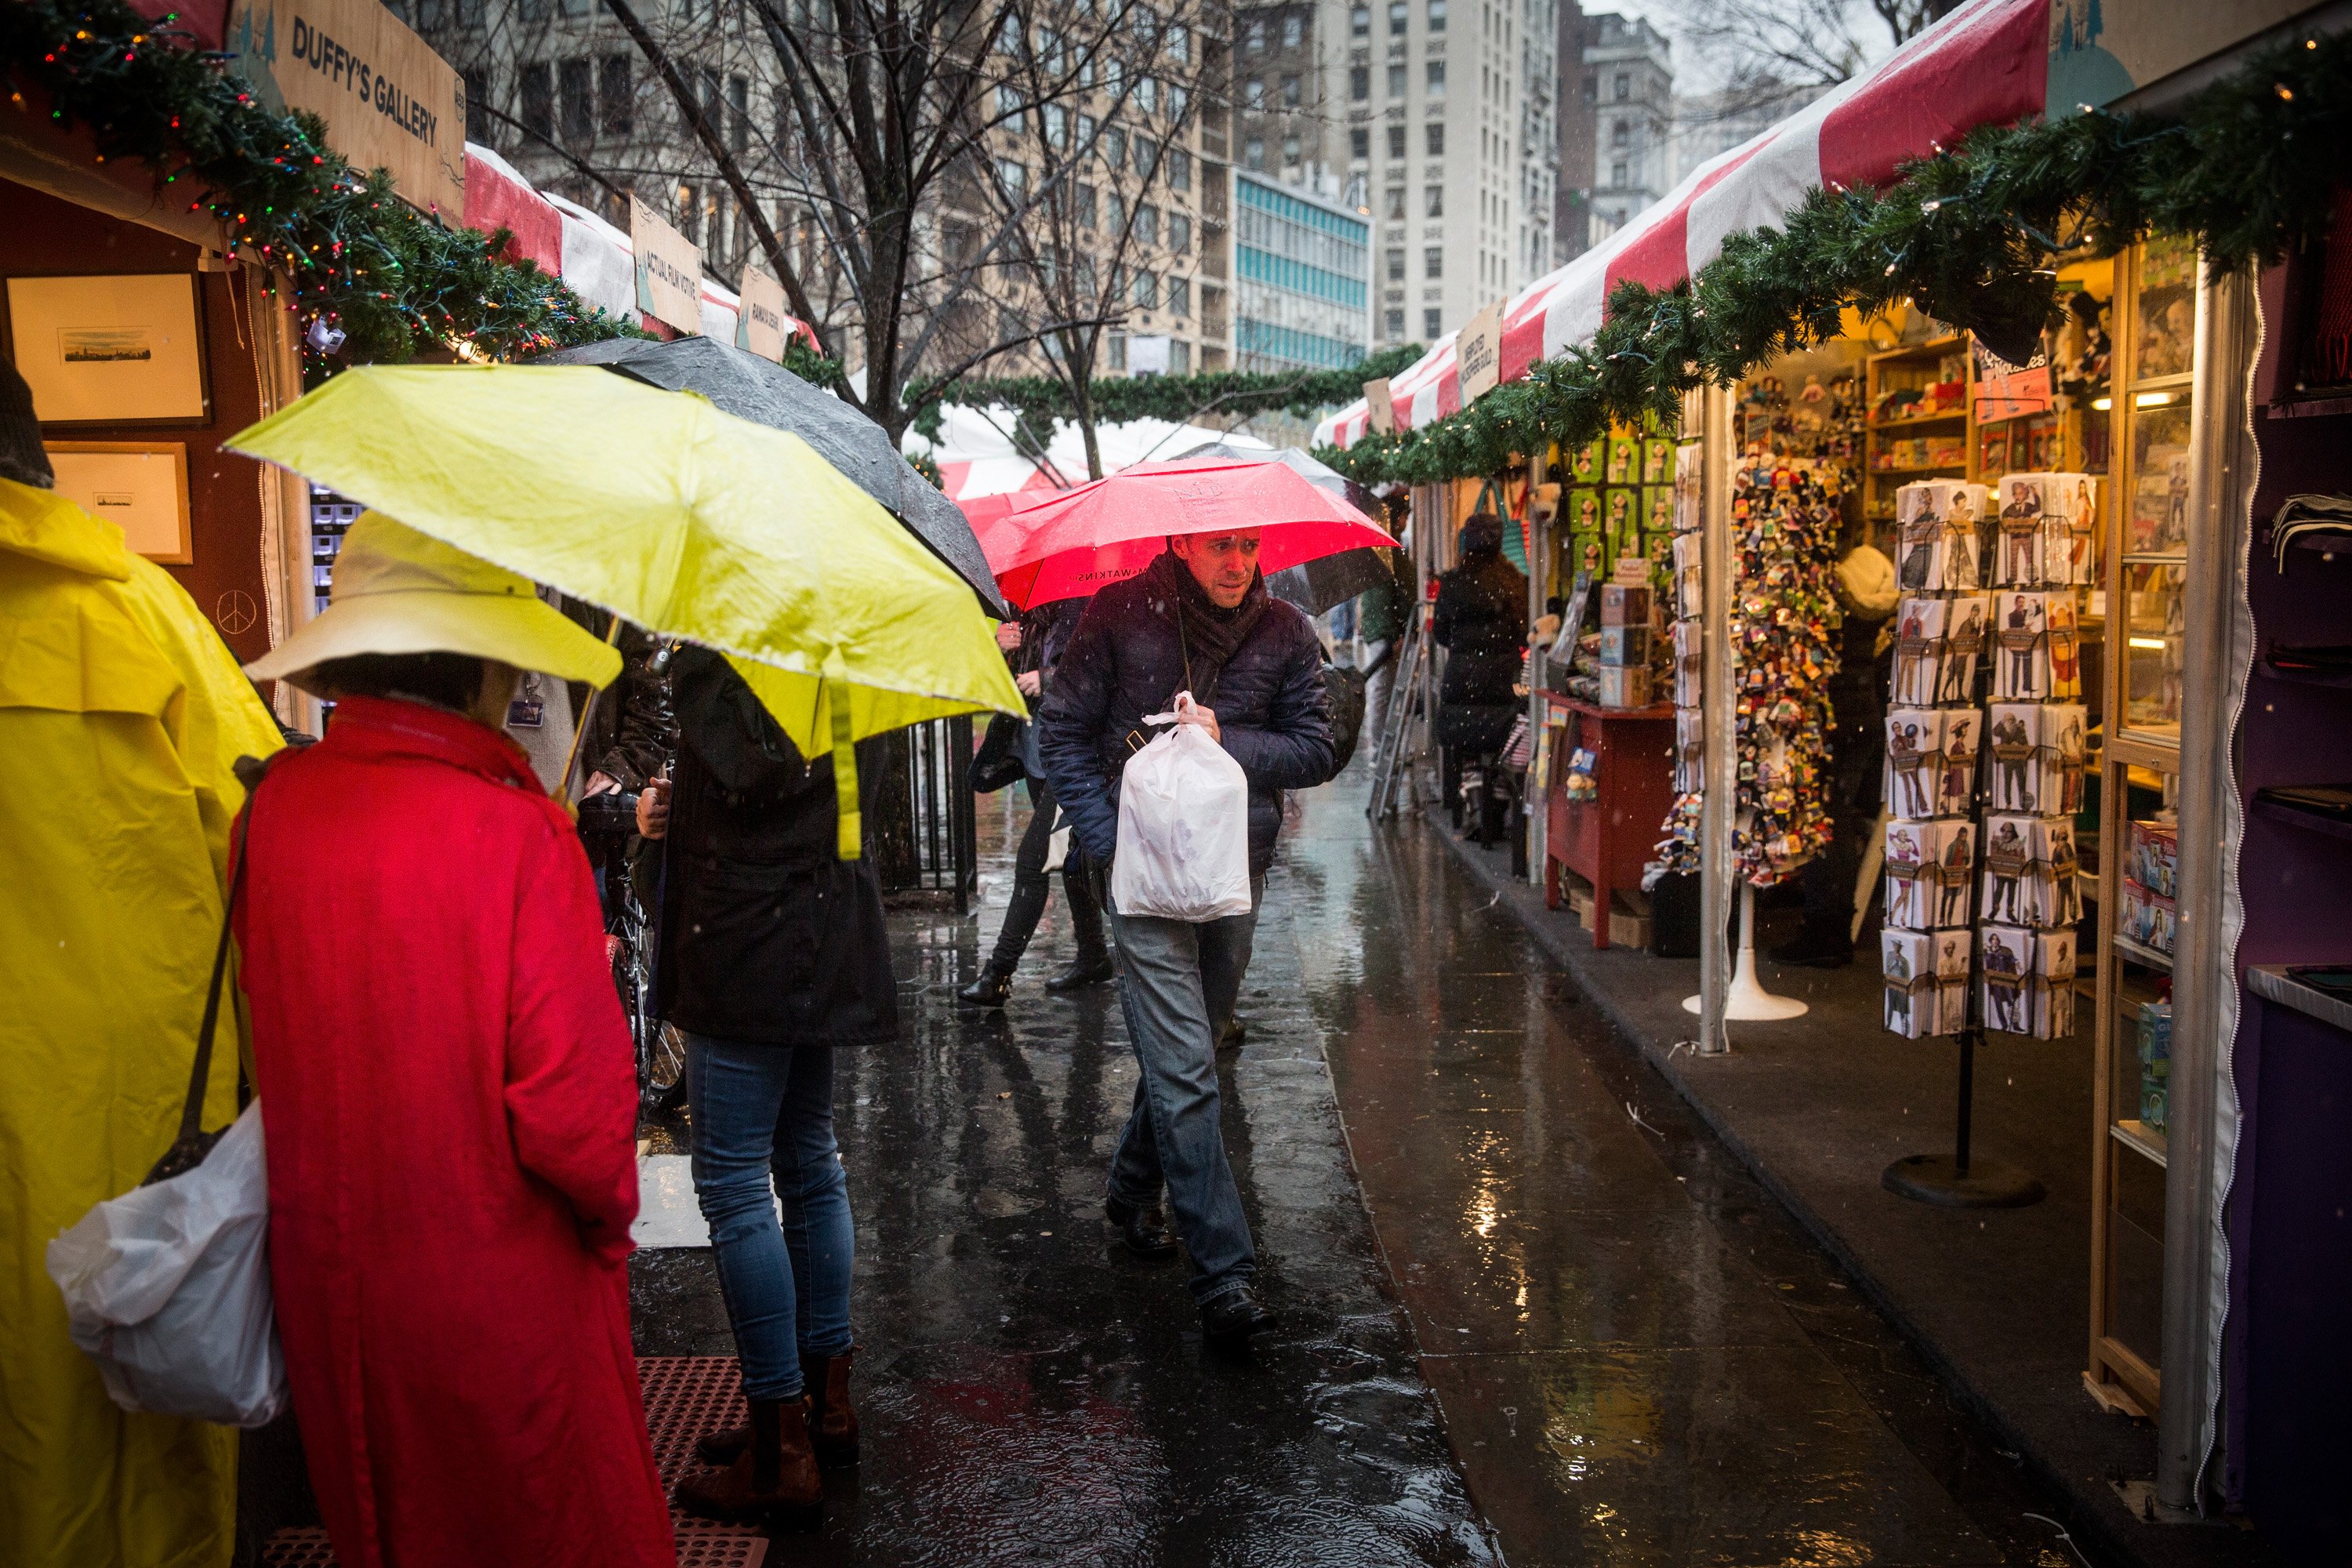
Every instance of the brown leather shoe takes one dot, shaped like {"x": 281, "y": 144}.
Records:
{"x": 832, "y": 1422}
{"x": 772, "y": 1482}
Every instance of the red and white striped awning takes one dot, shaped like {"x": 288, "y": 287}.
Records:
{"x": 1985, "y": 64}
{"x": 593, "y": 257}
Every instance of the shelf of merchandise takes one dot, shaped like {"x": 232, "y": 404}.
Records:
{"x": 2141, "y": 753}
{"x": 1886, "y": 370}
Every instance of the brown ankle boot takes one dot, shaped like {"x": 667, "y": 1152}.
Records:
{"x": 833, "y": 1424}
{"x": 774, "y": 1478}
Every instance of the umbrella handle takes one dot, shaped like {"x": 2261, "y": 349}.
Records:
{"x": 579, "y": 729}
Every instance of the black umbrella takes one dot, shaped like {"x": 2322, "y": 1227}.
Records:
{"x": 744, "y": 384}
{"x": 1317, "y": 585}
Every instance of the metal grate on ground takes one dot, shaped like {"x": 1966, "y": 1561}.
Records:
{"x": 686, "y": 1397}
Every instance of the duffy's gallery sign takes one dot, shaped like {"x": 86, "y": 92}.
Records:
{"x": 389, "y": 101}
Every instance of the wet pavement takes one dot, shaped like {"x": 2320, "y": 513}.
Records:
{"x": 1532, "y": 1311}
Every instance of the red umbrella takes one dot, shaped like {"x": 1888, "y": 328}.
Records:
{"x": 1070, "y": 545}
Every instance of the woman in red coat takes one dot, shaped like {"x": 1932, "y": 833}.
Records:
{"x": 447, "y": 1088}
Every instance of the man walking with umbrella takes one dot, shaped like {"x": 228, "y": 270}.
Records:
{"x": 1197, "y": 619}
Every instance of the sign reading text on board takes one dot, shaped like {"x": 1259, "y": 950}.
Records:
{"x": 1477, "y": 353}
{"x": 669, "y": 271}
{"x": 763, "y": 327}
{"x": 389, "y": 101}
{"x": 1380, "y": 407}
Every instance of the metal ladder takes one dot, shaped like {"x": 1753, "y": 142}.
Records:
{"x": 1407, "y": 699}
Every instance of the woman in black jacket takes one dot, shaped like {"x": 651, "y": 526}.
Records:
{"x": 773, "y": 953}
{"x": 1481, "y": 621}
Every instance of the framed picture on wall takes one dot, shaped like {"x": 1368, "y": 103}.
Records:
{"x": 141, "y": 486}
{"x": 116, "y": 348}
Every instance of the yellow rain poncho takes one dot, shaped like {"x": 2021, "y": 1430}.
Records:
{"x": 121, "y": 716}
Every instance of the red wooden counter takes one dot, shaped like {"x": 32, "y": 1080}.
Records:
{"x": 1609, "y": 839}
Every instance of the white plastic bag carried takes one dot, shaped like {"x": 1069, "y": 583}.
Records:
{"x": 167, "y": 1288}
{"x": 1183, "y": 827}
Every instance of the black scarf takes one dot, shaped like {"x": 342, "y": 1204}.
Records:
{"x": 1208, "y": 633}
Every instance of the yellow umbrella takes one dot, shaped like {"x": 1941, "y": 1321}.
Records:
{"x": 690, "y": 523}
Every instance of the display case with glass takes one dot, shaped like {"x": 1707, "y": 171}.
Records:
{"x": 2151, "y": 410}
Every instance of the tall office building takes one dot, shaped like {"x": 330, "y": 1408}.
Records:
{"x": 1628, "y": 79}
{"x": 1302, "y": 284}
{"x": 1433, "y": 119}
{"x": 1577, "y": 122}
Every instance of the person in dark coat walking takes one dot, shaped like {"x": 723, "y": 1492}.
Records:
{"x": 1040, "y": 637}
{"x": 1198, "y": 619}
{"x": 773, "y": 953}
{"x": 1481, "y": 622}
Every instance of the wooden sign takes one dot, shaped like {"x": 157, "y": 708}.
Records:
{"x": 669, "y": 271}
{"x": 1478, "y": 353}
{"x": 1380, "y": 407}
{"x": 389, "y": 101}
{"x": 763, "y": 327}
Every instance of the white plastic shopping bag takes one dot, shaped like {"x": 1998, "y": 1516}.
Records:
{"x": 1183, "y": 827}
{"x": 167, "y": 1288}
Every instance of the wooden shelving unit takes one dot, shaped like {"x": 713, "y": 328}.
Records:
{"x": 1891, "y": 371}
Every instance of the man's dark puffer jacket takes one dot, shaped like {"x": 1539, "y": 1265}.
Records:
{"x": 1125, "y": 661}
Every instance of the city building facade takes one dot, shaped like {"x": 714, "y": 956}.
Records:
{"x": 1302, "y": 277}
{"x": 1627, "y": 85}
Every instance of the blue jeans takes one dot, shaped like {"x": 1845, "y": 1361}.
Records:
{"x": 758, "y": 1109}
{"x": 1177, "y": 985}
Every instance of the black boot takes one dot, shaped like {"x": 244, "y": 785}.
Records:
{"x": 1230, "y": 1036}
{"x": 1086, "y": 969}
{"x": 1140, "y": 1230}
{"x": 1232, "y": 1318}
{"x": 993, "y": 989}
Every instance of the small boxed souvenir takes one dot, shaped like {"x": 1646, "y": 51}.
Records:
{"x": 1927, "y": 981}
{"x": 1624, "y": 646}
{"x": 1658, "y": 509}
{"x": 1919, "y": 626}
{"x": 1931, "y": 762}
{"x": 1964, "y": 643}
{"x": 2042, "y": 537}
{"x": 1625, "y": 688}
{"x": 1690, "y": 751}
{"x": 2155, "y": 1031}
{"x": 1624, "y": 460}
{"x": 1929, "y": 867}
{"x": 2008, "y": 968}
{"x": 2147, "y": 917}
{"x": 2037, "y": 657}
{"x": 2050, "y": 992}
{"x": 1622, "y": 605}
{"x": 1689, "y": 465}
{"x": 1658, "y": 461}
{"x": 2154, "y": 858}
{"x": 2029, "y": 869}
{"x": 1621, "y": 521}
{"x": 1580, "y": 512}
{"x": 2037, "y": 757}
{"x": 1584, "y": 463}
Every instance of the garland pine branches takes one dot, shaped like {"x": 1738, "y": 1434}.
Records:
{"x": 1971, "y": 236}
{"x": 1041, "y": 399}
{"x": 390, "y": 281}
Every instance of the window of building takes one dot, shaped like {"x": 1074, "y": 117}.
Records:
{"x": 1433, "y": 261}
{"x": 1432, "y": 136}
{"x": 690, "y": 212}
{"x": 1290, "y": 90}
{"x": 1179, "y": 302}
{"x": 1086, "y": 132}
{"x": 1253, "y": 93}
{"x": 536, "y": 86}
{"x": 1180, "y": 233}
{"x": 1114, "y": 147}
{"x": 1179, "y": 352}
{"x": 1396, "y": 202}
{"x": 1179, "y": 44}
{"x": 1436, "y": 82}
{"x": 1147, "y": 94}
{"x": 1008, "y": 98}
{"x": 1617, "y": 173}
{"x": 1429, "y": 322}
{"x": 477, "y": 105}
{"x": 1437, "y": 16}
{"x": 1623, "y": 86}
{"x": 1620, "y": 134}
{"x": 1147, "y": 157}
{"x": 1396, "y": 140}
{"x": 616, "y": 108}
{"x": 1396, "y": 263}
{"x": 577, "y": 93}
{"x": 1014, "y": 176}
{"x": 1290, "y": 148}
{"x": 1147, "y": 224}
{"x": 1177, "y": 99}
{"x": 1254, "y": 35}
{"x": 1591, "y": 88}
{"x": 1145, "y": 290}
{"x": 1117, "y": 354}
{"x": 738, "y": 113}
{"x": 1396, "y": 81}
{"x": 1436, "y": 199}
{"x": 1086, "y": 204}
{"x": 1118, "y": 213}
{"x": 1254, "y": 153}
{"x": 1394, "y": 325}
{"x": 1359, "y": 142}
{"x": 1359, "y": 21}
{"x": 1399, "y": 13}
{"x": 1180, "y": 169}
{"x": 1294, "y": 30}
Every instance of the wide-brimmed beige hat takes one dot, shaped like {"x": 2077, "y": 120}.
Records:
{"x": 399, "y": 591}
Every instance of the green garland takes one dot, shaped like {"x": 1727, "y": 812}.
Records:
{"x": 1042, "y": 399}
{"x": 1970, "y": 235}
{"x": 390, "y": 280}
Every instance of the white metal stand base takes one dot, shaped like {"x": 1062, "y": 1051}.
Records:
{"x": 1746, "y": 1001}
